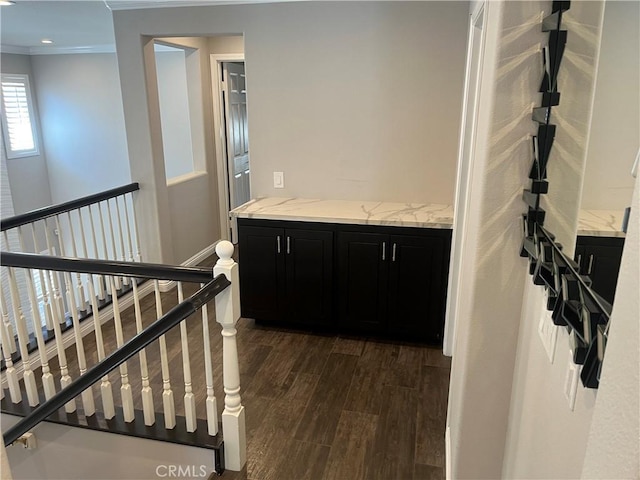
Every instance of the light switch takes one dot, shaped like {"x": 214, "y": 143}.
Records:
{"x": 547, "y": 330}
{"x": 278, "y": 179}
{"x": 571, "y": 382}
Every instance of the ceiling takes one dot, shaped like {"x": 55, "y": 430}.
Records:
{"x": 74, "y": 26}
{"x": 70, "y": 24}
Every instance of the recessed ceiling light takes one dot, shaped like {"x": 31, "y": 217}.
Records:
{"x": 46, "y": 40}
{"x": 5, "y": 3}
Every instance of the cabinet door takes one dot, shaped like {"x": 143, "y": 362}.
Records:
{"x": 363, "y": 271}
{"x": 417, "y": 286}
{"x": 262, "y": 272}
{"x": 602, "y": 264}
{"x": 309, "y": 255}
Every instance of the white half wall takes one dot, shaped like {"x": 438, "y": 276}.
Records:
{"x": 70, "y": 453}
{"x": 353, "y": 100}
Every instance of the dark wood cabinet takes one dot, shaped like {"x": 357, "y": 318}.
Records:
{"x": 394, "y": 283}
{"x": 600, "y": 257}
{"x": 364, "y": 279}
{"x": 286, "y": 273}
{"x": 418, "y": 285}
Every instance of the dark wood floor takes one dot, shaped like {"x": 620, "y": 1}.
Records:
{"x": 317, "y": 406}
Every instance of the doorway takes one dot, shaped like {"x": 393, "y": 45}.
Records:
{"x": 458, "y": 271}
{"x": 231, "y": 123}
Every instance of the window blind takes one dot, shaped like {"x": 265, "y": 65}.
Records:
{"x": 19, "y": 132}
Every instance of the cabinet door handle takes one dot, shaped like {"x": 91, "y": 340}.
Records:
{"x": 393, "y": 253}
{"x": 579, "y": 260}
{"x": 288, "y": 245}
{"x": 590, "y": 264}
{"x": 384, "y": 251}
{"x": 278, "y": 243}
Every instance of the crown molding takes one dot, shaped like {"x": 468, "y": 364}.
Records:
{"x": 139, "y": 4}
{"x": 50, "y": 50}
{"x": 14, "y": 49}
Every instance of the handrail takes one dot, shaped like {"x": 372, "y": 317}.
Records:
{"x": 45, "y": 212}
{"x": 107, "y": 267}
{"x": 154, "y": 331}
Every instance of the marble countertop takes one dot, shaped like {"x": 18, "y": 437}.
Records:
{"x": 600, "y": 223}
{"x": 348, "y": 212}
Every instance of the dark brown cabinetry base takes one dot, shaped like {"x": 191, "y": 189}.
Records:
{"x": 390, "y": 281}
{"x": 600, "y": 257}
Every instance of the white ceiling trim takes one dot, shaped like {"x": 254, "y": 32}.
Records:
{"x": 13, "y": 49}
{"x": 138, "y": 4}
{"x": 49, "y": 50}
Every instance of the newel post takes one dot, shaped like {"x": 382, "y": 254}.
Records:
{"x": 227, "y": 315}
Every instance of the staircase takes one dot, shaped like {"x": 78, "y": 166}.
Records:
{"x": 95, "y": 343}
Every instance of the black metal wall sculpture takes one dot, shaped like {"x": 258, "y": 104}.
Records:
{"x": 574, "y": 304}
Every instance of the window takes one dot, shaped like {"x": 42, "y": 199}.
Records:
{"x": 17, "y": 117}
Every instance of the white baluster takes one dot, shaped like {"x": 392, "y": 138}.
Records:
{"x": 68, "y": 285}
{"x": 125, "y": 388}
{"x": 47, "y": 378}
{"x": 106, "y": 393}
{"x": 147, "y": 394}
{"x": 168, "y": 402}
{"x": 101, "y": 291}
{"x": 138, "y": 257}
{"x": 227, "y": 315}
{"x": 123, "y": 256}
{"x": 59, "y": 317}
{"x": 7, "y": 322}
{"x": 23, "y": 341}
{"x": 189, "y": 398}
{"x": 80, "y": 285}
{"x": 44, "y": 285}
{"x": 58, "y": 304}
{"x": 211, "y": 403}
{"x": 104, "y": 242}
{"x": 7, "y": 340}
{"x": 83, "y": 242}
{"x": 113, "y": 244}
{"x": 128, "y": 226}
{"x": 88, "y": 405}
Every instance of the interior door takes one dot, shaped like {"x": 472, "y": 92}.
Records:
{"x": 235, "y": 110}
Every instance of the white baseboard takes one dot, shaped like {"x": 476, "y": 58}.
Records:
{"x": 447, "y": 453}
{"x": 166, "y": 285}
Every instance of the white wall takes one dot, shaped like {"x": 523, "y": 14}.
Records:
{"x": 227, "y": 44}
{"x": 615, "y": 130}
{"x": 576, "y": 84}
{"x": 613, "y": 448}
{"x": 82, "y": 123}
{"x": 534, "y": 434}
{"x": 546, "y": 439}
{"x": 76, "y": 453}
{"x": 27, "y": 175}
{"x": 354, "y": 100}
{"x": 487, "y": 325}
{"x": 171, "y": 70}
{"x": 192, "y": 200}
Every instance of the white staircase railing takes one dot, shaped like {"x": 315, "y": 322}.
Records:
{"x": 136, "y": 383}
